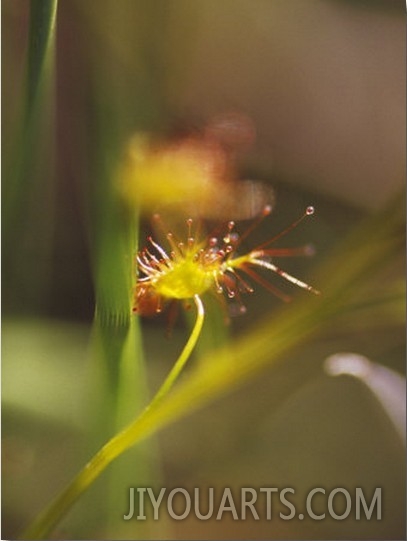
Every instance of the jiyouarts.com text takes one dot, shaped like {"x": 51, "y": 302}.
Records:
{"x": 264, "y": 503}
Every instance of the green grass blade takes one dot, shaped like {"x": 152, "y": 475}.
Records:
{"x": 40, "y": 59}
{"x": 42, "y": 31}
{"x": 28, "y": 174}
{"x": 121, "y": 387}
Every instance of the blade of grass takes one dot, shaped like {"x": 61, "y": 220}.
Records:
{"x": 28, "y": 174}
{"x": 42, "y": 33}
{"x": 40, "y": 57}
{"x": 118, "y": 357}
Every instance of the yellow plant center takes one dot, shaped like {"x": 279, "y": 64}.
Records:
{"x": 184, "y": 279}
{"x": 193, "y": 267}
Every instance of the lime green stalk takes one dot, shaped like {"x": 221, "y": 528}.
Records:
{"x": 114, "y": 447}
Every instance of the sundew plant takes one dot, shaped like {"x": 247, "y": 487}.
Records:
{"x": 190, "y": 269}
{"x": 177, "y": 299}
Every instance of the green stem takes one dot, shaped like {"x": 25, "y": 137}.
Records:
{"x": 47, "y": 520}
{"x": 182, "y": 359}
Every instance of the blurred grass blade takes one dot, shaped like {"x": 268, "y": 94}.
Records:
{"x": 118, "y": 362}
{"x": 386, "y": 385}
{"x": 40, "y": 58}
{"x": 42, "y": 32}
{"x": 28, "y": 181}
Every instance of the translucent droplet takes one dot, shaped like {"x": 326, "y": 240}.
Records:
{"x": 233, "y": 238}
{"x": 310, "y": 211}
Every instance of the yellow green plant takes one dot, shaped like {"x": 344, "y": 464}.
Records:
{"x": 192, "y": 268}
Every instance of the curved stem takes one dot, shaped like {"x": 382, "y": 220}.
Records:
{"x": 122, "y": 441}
